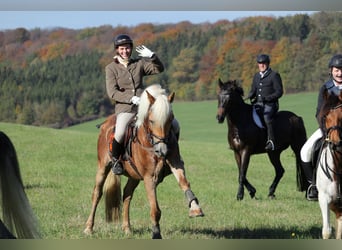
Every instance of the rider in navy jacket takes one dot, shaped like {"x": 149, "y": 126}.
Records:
{"x": 334, "y": 86}
{"x": 267, "y": 88}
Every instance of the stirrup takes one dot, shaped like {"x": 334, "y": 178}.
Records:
{"x": 312, "y": 193}
{"x": 269, "y": 145}
{"x": 117, "y": 167}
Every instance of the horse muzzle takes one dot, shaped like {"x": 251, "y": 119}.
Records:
{"x": 160, "y": 149}
{"x": 220, "y": 118}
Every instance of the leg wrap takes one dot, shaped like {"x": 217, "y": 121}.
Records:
{"x": 190, "y": 196}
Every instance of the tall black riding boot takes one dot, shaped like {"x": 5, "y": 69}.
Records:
{"x": 117, "y": 149}
{"x": 270, "y": 144}
{"x": 310, "y": 173}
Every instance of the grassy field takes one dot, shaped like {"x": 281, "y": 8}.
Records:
{"x": 58, "y": 168}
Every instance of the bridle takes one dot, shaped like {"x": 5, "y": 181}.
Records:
{"x": 333, "y": 144}
{"x": 334, "y": 147}
{"x": 152, "y": 138}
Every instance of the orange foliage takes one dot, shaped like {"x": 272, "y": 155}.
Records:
{"x": 53, "y": 50}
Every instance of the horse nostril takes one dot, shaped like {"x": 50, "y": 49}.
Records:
{"x": 220, "y": 118}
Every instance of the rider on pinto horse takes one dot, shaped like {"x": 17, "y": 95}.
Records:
{"x": 333, "y": 86}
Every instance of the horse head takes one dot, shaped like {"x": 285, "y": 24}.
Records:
{"x": 330, "y": 117}
{"x": 228, "y": 92}
{"x": 155, "y": 115}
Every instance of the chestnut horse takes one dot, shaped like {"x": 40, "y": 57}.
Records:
{"x": 329, "y": 167}
{"x": 19, "y": 220}
{"x": 151, "y": 154}
{"x": 246, "y": 138}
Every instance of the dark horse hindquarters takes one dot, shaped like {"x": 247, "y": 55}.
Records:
{"x": 245, "y": 138}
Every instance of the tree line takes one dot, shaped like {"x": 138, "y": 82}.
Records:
{"x": 55, "y": 77}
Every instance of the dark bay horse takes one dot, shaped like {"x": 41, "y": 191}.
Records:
{"x": 246, "y": 138}
{"x": 19, "y": 221}
{"x": 152, "y": 154}
{"x": 329, "y": 167}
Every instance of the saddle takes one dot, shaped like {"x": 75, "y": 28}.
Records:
{"x": 130, "y": 136}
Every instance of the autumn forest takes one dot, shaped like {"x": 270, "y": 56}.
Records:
{"x": 55, "y": 77}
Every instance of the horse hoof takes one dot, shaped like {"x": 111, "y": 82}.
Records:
{"x": 127, "y": 230}
{"x": 88, "y": 231}
{"x": 156, "y": 236}
{"x": 196, "y": 213}
{"x": 271, "y": 196}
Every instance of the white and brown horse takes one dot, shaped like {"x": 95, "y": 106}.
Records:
{"x": 329, "y": 169}
{"x": 151, "y": 154}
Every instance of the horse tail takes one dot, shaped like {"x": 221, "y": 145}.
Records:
{"x": 18, "y": 215}
{"x": 299, "y": 138}
{"x": 112, "y": 194}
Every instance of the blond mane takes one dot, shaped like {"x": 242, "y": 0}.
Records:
{"x": 160, "y": 109}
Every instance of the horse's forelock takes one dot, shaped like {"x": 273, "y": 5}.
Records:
{"x": 160, "y": 108}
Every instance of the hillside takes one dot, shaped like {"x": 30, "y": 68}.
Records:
{"x": 55, "y": 77}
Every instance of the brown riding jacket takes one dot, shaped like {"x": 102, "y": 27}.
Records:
{"x": 122, "y": 83}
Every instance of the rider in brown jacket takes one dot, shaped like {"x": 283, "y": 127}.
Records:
{"x": 124, "y": 84}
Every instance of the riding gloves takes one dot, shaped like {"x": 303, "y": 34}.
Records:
{"x": 135, "y": 100}
{"x": 144, "y": 52}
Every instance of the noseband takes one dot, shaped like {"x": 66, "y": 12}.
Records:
{"x": 154, "y": 142}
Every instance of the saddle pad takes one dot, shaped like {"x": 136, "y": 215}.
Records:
{"x": 256, "y": 119}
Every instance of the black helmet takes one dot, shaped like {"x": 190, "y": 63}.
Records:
{"x": 121, "y": 40}
{"x": 336, "y": 61}
{"x": 263, "y": 58}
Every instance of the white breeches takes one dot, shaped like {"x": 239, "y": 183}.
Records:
{"x": 122, "y": 120}
{"x": 306, "y": 151}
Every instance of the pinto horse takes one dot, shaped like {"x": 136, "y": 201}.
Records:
{"x": 329, "y": 167}
{"x": 151, "y": 154}
{"x": 19, "y": 220}
{"x": 246, "y": 138}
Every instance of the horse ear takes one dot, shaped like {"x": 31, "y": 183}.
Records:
{"x": 220, "y": 82}
{"x": 171, "y": 97}
{"x": 150, "y": 98}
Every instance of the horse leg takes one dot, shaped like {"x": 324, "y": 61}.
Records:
{"x": 100, "y": 178}
{"x": 194, "y": 208}
{"x": 323, "y": 203}
{"x": 242, "y": 160}
{"x": 242, "y": 176}
{"x": 127, "y": 198}
{"x": 155, "y": 213}
{"x": 338, "y": 225}
{"x": 175, "y": 162}
{"x": 279, "y": 172}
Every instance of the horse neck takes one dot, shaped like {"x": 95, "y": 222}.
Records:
{"x": 237, "y": 112}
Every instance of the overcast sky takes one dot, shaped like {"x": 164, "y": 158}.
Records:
{"x": 83, "y": 19}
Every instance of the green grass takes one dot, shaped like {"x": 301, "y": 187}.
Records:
{"x": 58, "y": 168}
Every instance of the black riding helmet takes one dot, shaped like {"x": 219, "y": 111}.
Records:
{"x": 263, "y": 58}
{"x": 336, "y": 61}
{"x": 121, "y": 40}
